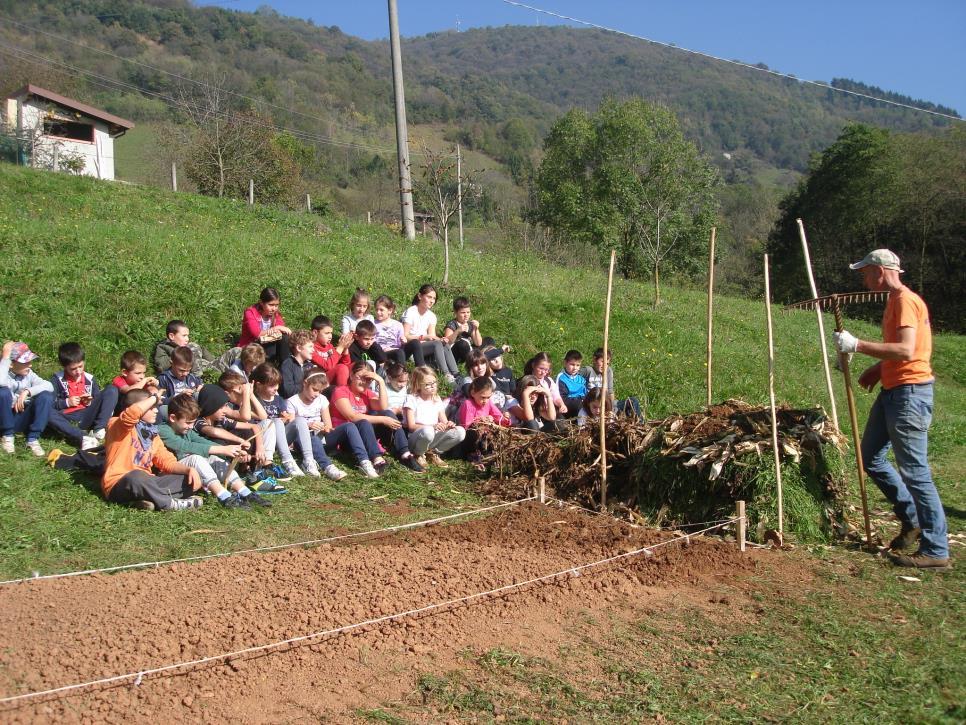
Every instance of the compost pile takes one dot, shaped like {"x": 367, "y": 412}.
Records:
{"x": 689, "y": 468}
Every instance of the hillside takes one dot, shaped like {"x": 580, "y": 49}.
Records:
{"x": 332, "y": 88}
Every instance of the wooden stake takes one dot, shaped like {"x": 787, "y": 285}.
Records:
{"x": 603, "y": 382}
{"x": 251, "y": 192}
{"x": 174, "y": 176}
{"x": 854, "y": 420}
{"x": 742, "y": 526}
{"x": 710, "y": 307}
{"x": 771, "y": 400}
{"x": 821, "y": 324}
{"x": 543, "y": 489}
{"x": 308, "y": 203}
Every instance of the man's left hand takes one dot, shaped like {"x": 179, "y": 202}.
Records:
{"x": 845, "y": 341}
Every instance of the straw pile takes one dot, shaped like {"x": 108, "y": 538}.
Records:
{"x": 690, "y": 468}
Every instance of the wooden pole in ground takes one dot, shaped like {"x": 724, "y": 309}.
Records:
{"x": 854, "y": 420}
{"x": 771, "y": 400}
{"x": 174, "y": 176}
{"x": 459, "y": 191}
{"x": 308, "y": 203}
{"x": 542, "y": 482}
{"x": 821, "y": 324}
{"x": 251, "y": 192}
{"x": 603, "y": 382}
{"x": 710, "y": 308}
{"x": 742, "y": 526}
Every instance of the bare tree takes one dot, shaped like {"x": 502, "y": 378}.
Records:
{"x": 436, "y": 188}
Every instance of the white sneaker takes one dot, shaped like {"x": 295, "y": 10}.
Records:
{"x": 311, "y": 468}
{"x": 100, "y": 434}
{"x": 7, "y": 444}
{"x": 367, "y": 468}
{"x": 88, "y": 442}
{"x": 34, "y": 447}
{"x": 292, "y": 468}
{"x": 336, "y": 474}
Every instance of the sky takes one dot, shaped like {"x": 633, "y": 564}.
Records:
{"x": 913, "y": 47}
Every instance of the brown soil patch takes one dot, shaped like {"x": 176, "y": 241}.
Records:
{"x": 66, "y": 631}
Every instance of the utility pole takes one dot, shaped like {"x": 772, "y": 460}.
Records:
{"x": 459, "y": 191}
{"x": 402, "y": 135}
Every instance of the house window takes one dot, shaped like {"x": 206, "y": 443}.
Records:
{"x": 69, "y": 129}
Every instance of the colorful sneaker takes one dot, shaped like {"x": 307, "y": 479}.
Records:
{"x": 267, "y": 485}
{"x": 412, "y": 464}
{"x": 275, "y": 471}
{"x": 333, "y": 473}
{"x": 100, "y": 434}
{"x": 368, "y": 469}
{"x": 89, "y": 442}
{"x": 34, "y": 447}
{"x": 253, "y": 499}
{"x": 423, "y": 463}
{"x": 185, "y": 504}
{"x": 7, "y": 444}
{"x": 311, "y": 468}
{"x": 291, "y": 468}
{"x": 234, "y": 502}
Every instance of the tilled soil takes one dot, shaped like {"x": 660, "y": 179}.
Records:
{"x": 60, "y": 632}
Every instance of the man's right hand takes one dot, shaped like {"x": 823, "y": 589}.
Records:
{"x": 870, "y": 377}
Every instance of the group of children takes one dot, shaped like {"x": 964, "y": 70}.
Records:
{"x": 295, "y": 394}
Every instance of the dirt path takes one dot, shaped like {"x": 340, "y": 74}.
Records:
{"x": 61, "y": 632}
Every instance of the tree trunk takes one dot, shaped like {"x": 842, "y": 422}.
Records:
{"x": 445, "y": 254}
{"x": 657, "y": 285}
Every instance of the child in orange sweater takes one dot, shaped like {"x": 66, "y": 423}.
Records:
{"x": 134, "y": 451}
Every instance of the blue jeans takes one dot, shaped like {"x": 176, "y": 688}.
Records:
{"x": 900, "y": 419}
{"x": 358, "y": 437}
{"x": 73, "y": 425}
{"x": 32, "y": 420}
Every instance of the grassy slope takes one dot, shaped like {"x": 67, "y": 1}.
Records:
{"x": 108, "y": 265}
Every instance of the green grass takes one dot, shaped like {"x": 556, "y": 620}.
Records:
{"x": 108, "y": 265}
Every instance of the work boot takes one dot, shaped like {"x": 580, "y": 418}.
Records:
{"x": 920, "y": 561}
{"x": 907, "y": 538}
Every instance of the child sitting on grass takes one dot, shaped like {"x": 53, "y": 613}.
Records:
{"x": 365, "y": 349}
{"x": 502, "y": 374}
{"x": 397, "y": 387}
{"x": 539, "y": 366}
{"x": 358, "y": 311}
{"x": 177, "y": 335}
{"x": 313, "y": 407}
{"x": 389, "y": 332}
{"x": 571, "y": 384}
{"x": 25, "y": 398}
{"x": 133, "y": 451}
{"x": 250, "y": 357}
{"x": 81, "y": 409}
{"x": 594, "y": 375}
{"x": 461, "y": 333}
{"x": 590, "y": 409}
{"x": 419, "y": 326}
{"x": 333, "y": 359}
{"x": 134, "y": 368}
{"x": 285, "y": 426}
{"x": 178, "y": 378}
{"x": 293, "y": 369}
{"x": 204, "y": 455}
{"x": 476, "y": 414}
{"x": 531, "y": 407}
{"x": 430, "y": 434}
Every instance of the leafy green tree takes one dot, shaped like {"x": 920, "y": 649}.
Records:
{"x": 626, "y": 178}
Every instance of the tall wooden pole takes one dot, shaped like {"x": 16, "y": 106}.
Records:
{"x": 710, "y": 308}
{"x": 771, "y": 400}
{"x": 603, "y": 382}
{"x": 459, "y": 191}
{"x": 174, "y": 176}
{"x": 821, "y": 324}
{"x": 402, "y": 133}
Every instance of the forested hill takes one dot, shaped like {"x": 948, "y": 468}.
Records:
{"x": 475, "y": 82}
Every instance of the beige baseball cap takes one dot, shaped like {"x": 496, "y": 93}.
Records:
{"x": 884, "y": 258}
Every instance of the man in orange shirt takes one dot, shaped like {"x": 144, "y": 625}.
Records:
{"x": 901, "y": 414}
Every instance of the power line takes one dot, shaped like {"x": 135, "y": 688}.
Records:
{"x": 727, "y": 60}
{"x": 174, "y": 75}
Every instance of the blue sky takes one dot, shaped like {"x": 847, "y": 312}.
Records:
{"x": 913, "y": 47}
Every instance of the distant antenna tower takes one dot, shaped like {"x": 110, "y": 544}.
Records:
{"x": 457, "y": 23}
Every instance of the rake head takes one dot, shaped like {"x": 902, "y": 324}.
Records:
{"x": 831, "y": 302}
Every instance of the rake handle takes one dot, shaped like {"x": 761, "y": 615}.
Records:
{"x": 854, "y": 420}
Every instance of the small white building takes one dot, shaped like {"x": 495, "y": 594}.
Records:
{"x": 60, "y": 133}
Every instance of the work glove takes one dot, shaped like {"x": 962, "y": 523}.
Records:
{"x": 845, "y": 341}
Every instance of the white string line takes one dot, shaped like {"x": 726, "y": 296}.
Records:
{"x": 779, "y": 74}
{"x": 577, "y": 506}
{"x": 228, "y": 656}
{"x": 276, "y": 547}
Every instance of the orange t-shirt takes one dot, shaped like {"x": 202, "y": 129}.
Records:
{"x": 906, "y": 309}
{"x": 125, "y": 452}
